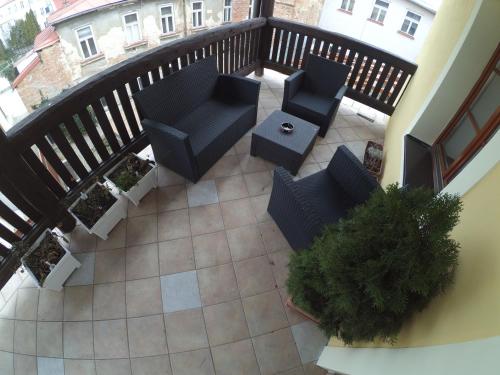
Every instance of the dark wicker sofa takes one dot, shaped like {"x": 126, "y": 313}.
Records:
{"x": 302, "y": 208}
{"x": 314, "y": 94}
{"x": 194, "y": 116}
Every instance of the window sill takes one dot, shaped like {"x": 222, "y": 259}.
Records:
{"x": 345, "y": 11}
{"x": 135, "y": 44}
{"x": 199, "y": 28}
{"x": 375, "y": 21}
{"x": 169, "y": 35}
{"x": 92, "y": 59}
{"x": 406, "y": 35}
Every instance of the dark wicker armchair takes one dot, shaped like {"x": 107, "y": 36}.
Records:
{"x": 314, "y": 94}
{"x": 194, "y": 116}
{"x": 302, "y": 208}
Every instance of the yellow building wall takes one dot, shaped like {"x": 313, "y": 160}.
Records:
{"x": 470, "y": 309}
{"x": 444, "y": 33}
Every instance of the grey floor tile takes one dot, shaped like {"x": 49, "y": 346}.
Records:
{"x": 27, "y": 303}
{"x": 310, "y": 340}
{"x": 85, "y": 274}
{"x": 7, "y": 335}
{"x": 50, "y": 366}
{"x": 49, "y": 336}
{"x": 78, "y": 340}
{"x": 25, "y": 337}
{"x": 180, "y": 291}
{"x": 202, "y": 193}
{"x": 6, "y": 363}
{"x": 25, "y": 365}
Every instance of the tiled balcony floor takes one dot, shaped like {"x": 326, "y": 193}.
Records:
{"x": 193, "y": 282}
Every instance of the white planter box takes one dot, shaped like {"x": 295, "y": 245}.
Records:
{"x": 144, "y": 186}
{"x": 109, "y": 220}
{"x": 62, "y": 270}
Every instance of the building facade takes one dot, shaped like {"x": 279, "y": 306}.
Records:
{"x": 13, "y": 10}
{"x": 304, "y": 11}
{"x": 398, "y": 26}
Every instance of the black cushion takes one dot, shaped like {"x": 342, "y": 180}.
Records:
{"x": 309, "y": 101}
{"x": 324, "y": 76}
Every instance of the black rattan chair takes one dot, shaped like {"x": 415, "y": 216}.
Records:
{"x": 314, "y": 94}
{"x": 302, "y": 208}
{"x": 194, "y": 116}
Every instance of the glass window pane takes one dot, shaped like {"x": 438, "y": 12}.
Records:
{"x": 382, "y": 15}
{"x": 458, "y": 140}
{"x": 413, "y": 28}
{"x": 406, "y": 25}
{"x": 194, "y": 19}
{"x": 84, "y": 33}
{"x": 196, "y": 6}
{"x": 163, "y": 25}
{"x": 170, "y": 24}
{"x": 344, "y": 4}
{"x": 85, "y": 50}
{"x": 487, "y": 102}
{"x": 414, "y": 16}
{"x": 374, "y": 14}
{"x": 129, "y": 18}
{"x": 93, "y": 49}
{"x": 382, "y": 3}
{"x": 227, "y": 2}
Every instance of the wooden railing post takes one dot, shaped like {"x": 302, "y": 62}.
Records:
{"x": 266, "y": 10}
{"x": 15, "y": 169}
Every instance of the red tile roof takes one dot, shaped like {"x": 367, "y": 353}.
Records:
{"x": 25, "y": 72}
{"x": 45, "y": 38}
{"x": 79, "y": 7}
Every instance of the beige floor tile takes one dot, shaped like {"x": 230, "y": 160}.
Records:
{"x": 79, "y": 367}
{"x": 143, "y": 297}
{"x": 7, "y": 335}
{"x": 25, "y": 337}
{"x": 173, "y": 224}
{"x": 142, "y": 230}
{"x": 113, "y": 367}
{"x": 25, "y": 365}
{"x": 50, "y": 305}
{"x": 225, "y": 322}
{"x": 116, "y": 238}
{"x": 146, "y": 206}
{"x": 258, "y": 183}
{"x": 205, "y": 219}
{"x": 211, "y": 249}
{"x": 228, "y": 165}
{"x": 109, "y": 301}
{"x": 259, "y": 204}
{"x": 308, "y": 169}
{"x": 237, "y": 213}
{"x": 311, "y": 369}
{"x": 322, "y": 153}
{"x": 109, "y": 266}
{"x": 279, "y": 263}
{"x": 237, "y": 358}
{"x": 27, "y": 303}
{"x": 245, "y": 242}
{"x": 264, "y": 313}
{"x": 185, "y": 330}
{"x": 142, "y": 261}
{"x": 176, "y": 256}
{"x": 232, "y": 187}
{"x": 80, "y": 241}
{"x": 243, "y": 145}
{"x": 276, "y": 352}
{"x": 171, "y": 198}
{"x": 333, "y": 136}
{"x": 197, "y": 362}
{"x": 295, "y": 371}
{"x": 348, "y": 134}
{"x": 159, "y": 365}
{"x": 293, "y": 316}
{"x": 78, "y": 339}
{"x": 251, "y": 164}
{"x": 146, "y": 336}
{"x": 272, "y": 236}
{"x": 254, "y": 276}
{"x": 49, "y": 338}
{"x": 78, "y": 303}
{"x": 217, "y": 284}
{"x": 167, "y": 177}
{"x": 110, "y": 339}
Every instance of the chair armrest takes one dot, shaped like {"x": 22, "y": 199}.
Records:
{"x": 351, "y": 175}
{"x": 292, "y": 84}
{"x": 168, "y": 142}
{"x": 243, "y": 88}
{"x": 341, "y": 93}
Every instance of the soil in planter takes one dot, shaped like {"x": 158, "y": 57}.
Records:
{"x": 48, "y": 253}
{"x": 130, "y": 172}
{"x": 90, "y": 210}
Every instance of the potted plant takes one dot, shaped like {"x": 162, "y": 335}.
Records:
{"x": 99, "y": 210}
{"x": 133, "y": 177}
{"x": 47, "y": 260}
{"x": 372, "y": 159}
{"x": 366, "y": 275}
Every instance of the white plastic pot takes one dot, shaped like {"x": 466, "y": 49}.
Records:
{"x": 139, "y": 190}
{"x": 62, "y": 270}
{"x": 111, "y": 217}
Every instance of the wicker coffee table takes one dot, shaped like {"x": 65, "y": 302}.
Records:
{"x": 288, "y": 150}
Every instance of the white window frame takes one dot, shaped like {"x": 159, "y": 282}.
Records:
{"x": 125, "y": 24}
{"x": 379, "y": 9}
{"x": 411, "y": 21}
{"x": 347, "y": 5}
{"x": 227, "y": 11}
{"x": 202, "y": 11}
{"x": 171, "y": 6}
{"x": 86, "y": 42}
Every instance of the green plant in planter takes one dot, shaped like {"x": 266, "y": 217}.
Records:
{"x": 130, "y": 172}
{"x": 369, "y": 273}
{"x": 93, "y": 205}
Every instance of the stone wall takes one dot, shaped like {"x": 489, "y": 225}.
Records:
{"x": 46, "y": 79}
{"x": 304, "y": 11}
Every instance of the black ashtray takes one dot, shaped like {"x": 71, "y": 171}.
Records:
{"x": 287, "y": 127}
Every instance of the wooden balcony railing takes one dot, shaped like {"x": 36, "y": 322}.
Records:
{"x": 50, "y": 156}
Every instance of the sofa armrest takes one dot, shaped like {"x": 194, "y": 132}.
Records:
{"x": 341, "y": 93}
{"x": 351, "y": 175}
{"x": 243, "y": 88}
{"x": 292, "y": 84}
{"x": 292, "y": 212}
{"x": 168, "y": 142}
